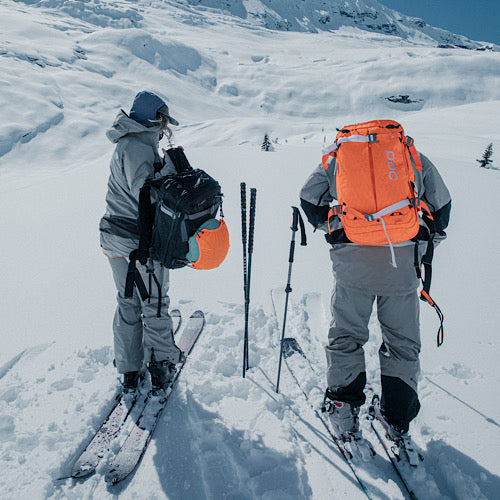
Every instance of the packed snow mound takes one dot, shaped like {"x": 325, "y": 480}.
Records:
{"x": 117, "y": 14}
{"x": 39, "y": 106}
{"x": 48, "y": 74}
{"x": 321, "y": 15}
{"x": 164, "y": 54}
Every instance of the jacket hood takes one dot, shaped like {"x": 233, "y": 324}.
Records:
{"x": 124, "y": 125}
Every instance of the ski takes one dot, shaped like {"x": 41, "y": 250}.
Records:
{"x": 295, "y": 358}
{"x": 136, "y": 443}
{"x": 123, "y": 406}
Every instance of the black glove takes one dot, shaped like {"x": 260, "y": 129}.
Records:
{"x": 142, "y": 255}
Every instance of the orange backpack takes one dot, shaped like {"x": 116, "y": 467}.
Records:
{"x": 375, "y": 177}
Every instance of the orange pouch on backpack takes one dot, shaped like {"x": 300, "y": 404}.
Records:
{"x": 375, "y": 182}
{"x": 209, "y": 245}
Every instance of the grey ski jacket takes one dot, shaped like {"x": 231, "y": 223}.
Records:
{"x": 134, "y": 160}
{"x": 367, "y": 268}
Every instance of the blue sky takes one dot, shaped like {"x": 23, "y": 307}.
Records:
{"x": 476, "y": 19}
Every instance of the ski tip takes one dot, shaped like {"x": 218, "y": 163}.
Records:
{"x": 113, "y": 477}
{"x": 79, "y": 473}
{"x": 198, "y": 314}
{"x": 175, "y": 312}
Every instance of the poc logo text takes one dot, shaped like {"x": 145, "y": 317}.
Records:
{"x": 393, "y": 175}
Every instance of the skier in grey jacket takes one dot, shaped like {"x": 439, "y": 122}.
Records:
{"x": 140, "y": 337}
{"x": 362, "y": 276}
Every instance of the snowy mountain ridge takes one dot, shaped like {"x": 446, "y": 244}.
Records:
{"x": 227, "y": 91}
{"x": 327, "y": 15}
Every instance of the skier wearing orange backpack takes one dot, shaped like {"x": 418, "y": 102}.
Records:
{"x": 390, "y": 208}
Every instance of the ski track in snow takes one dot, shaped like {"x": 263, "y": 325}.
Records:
{"x": 226, "y": 451}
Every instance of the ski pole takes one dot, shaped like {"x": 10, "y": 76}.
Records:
{"x": 243, "y": 190}
{"x": 297, "y": 219}
{"x": 251, "y": 227}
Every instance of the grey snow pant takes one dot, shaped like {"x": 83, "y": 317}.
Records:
{"x": 136, "y": 328}
{"x": 398, "y": 316}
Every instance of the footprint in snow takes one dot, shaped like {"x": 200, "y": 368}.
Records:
{"x": 7, "y": 428}
{"x": 63, "y": 384}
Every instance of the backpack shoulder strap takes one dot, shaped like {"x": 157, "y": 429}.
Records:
{"x": 146, "y": 214}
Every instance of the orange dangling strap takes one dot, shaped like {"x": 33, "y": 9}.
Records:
{"x": 440, "y": 334}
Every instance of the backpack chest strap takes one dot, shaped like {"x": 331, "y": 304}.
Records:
{"x": 385, "y": 211}
{"x": 346, "y": 210}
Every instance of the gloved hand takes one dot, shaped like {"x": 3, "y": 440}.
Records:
{"x": 142, "y": 256}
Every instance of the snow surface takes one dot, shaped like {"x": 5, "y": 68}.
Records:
{"x": 67, "y": 67}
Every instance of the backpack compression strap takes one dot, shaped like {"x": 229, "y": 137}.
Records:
{"x": 415, "y": 159}
{"x": 134, "y": 278}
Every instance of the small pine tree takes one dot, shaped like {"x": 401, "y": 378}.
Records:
{"x": 266, "y": 144}
{"x": 486, "y": 159}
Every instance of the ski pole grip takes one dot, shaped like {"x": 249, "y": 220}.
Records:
{"x": 295, "y": 219}
{"x": 303, "y": 238}
{"x": 253, "y": 196}
{"x": 296, "y": 222}
{"x": 243, "y": 189}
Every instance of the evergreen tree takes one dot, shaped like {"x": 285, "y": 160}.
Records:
{"x": 266, "y": 144}
{"x": 486, "y": 159}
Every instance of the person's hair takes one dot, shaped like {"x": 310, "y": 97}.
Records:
{"x": 162, "y": 121}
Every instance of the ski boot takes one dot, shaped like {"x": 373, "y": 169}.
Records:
{"x": 162, "y": 375}
{"x": 344, "y": 418}
{"x": 130, "y": 382}
{"x": 403, "y": 444}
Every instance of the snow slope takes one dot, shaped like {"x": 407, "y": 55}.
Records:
{"x": 228, "y": 84}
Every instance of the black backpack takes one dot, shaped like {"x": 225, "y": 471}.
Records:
{"x": 183, "y": 202}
